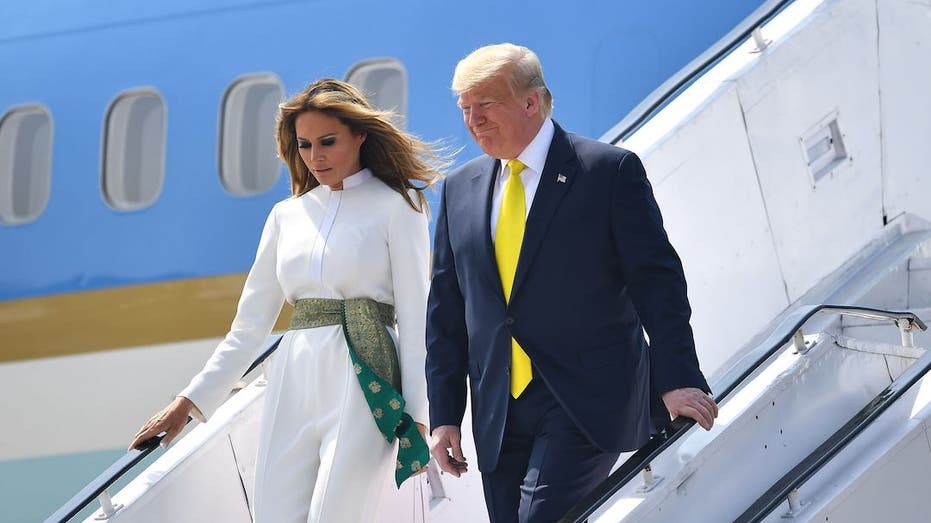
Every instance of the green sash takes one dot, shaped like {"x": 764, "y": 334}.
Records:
{"x": 375, "y": 362}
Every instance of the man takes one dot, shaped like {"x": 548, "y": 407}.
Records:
{"x": 546, "y": 272}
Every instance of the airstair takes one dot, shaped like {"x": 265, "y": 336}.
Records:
{"x": 826, "y": 419}
{"x": 827, "y": 415}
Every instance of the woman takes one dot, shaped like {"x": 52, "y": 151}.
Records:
{"x": 350, "y": 251}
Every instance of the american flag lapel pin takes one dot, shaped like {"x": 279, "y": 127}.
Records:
{"x": 560, "y": 178}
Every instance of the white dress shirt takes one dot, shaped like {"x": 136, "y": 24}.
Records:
{"x": 534, "y": 158}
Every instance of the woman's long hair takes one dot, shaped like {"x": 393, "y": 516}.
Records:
{"x": 397, "y": 158}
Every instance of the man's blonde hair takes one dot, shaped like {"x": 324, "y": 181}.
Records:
{"x": 519, "y": 65}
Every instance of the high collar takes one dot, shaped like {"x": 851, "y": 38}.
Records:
{"x": 355, "y": 180}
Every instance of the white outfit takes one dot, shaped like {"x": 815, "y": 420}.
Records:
{"x": 321, "y": 456}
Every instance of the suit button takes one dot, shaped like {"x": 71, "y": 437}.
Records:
{"x": 509, "y": 321}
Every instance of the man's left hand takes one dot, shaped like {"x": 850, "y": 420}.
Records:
{"x": 692, "y": 403}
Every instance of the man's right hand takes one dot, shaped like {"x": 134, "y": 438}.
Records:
{"x": 446, "y": 439}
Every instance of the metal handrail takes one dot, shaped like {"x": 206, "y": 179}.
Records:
{"x": 787, "y": 486}
{"x": 788, "y": 331}
{"x": 99, "y": 485}
{"x": 678, "y": 82}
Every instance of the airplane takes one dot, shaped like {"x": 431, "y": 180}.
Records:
{"x": 135, "y": 176}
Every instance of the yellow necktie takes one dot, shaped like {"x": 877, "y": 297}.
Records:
{"x": 509, "y": 234}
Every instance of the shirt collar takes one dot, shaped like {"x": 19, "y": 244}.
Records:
{"x": 357, "y": 179}
{"x": 534, "y": 155}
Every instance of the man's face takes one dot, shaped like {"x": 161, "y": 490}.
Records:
{"x": 501, "y": 123}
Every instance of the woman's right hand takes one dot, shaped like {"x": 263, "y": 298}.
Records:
{"x": 170, "y": 420}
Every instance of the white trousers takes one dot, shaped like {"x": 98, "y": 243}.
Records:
{"x": 321, "y": 457}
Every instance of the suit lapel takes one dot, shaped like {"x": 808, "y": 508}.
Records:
{"x": 558, "y": 175}
{"x": 483, "y": 183}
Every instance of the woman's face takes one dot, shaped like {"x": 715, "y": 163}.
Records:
{"x": 328, "y": 147}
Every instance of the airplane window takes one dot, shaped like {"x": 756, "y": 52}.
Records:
{"x": 248, "y": 151}
{"x": 25, "y": 163}
{"x": 384, "y": 82}
{"x": 133, "y": 167}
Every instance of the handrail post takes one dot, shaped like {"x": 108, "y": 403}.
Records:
{"x": 262, "y": 380}
{"x": 107, "y": 509}
{"x": 437, "y": 491}
{"x": 798, "y": 340}
{"x": 906, "y": 326}
{"x": 647, "y": 475}
{"x": 649, "y": 480}
{"x": 761, "y": 42}
{"x": 794, "y": 506}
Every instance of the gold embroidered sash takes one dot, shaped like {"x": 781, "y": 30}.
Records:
{"x": 375, "y": 362}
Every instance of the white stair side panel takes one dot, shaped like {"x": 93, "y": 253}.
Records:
{"x": 880, "y": 475}
{"x": 891, "y": 492}
{"x": 244, "y": 437}
{"x": 204, "y": 487}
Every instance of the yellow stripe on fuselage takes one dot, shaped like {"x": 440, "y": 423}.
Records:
{"x": 121, "y": 317}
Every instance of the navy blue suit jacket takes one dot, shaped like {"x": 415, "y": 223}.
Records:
{"x": 595, "y": 268}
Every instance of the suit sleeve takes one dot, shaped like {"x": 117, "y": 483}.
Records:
{"x": 409, "y": 252}
{"x": 655, "y": 279}
{"x": 447, "y": 339}
{"x": 259, "y": 306}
